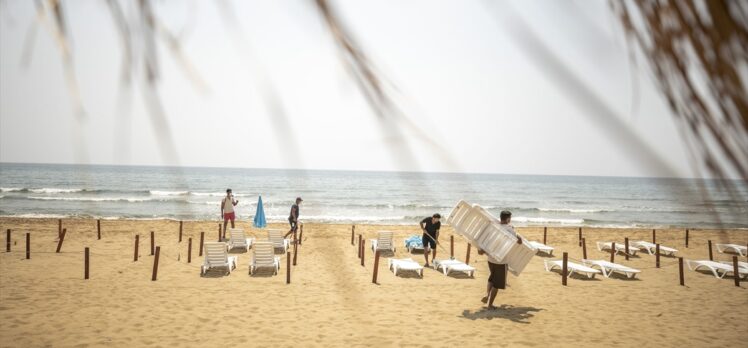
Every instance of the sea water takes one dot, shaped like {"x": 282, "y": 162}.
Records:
{"x": 147, "y": 192}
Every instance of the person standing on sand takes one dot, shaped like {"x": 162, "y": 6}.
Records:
{"x": 430, "y": 227}
{"x": 293, "y": 216}
{"x": 227, "y": 209}
{"x": 497, "y": 277}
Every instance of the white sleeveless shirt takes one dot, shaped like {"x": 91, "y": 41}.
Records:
{"x": 228, "y": 205}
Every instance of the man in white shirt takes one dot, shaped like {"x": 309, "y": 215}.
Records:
{"x": 227, "y": 209}
{"x": 498, "y": 270}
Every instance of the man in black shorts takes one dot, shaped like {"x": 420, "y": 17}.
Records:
{"x": 293, "y": 217}
{"x": 430, "y": 227}
{"x": 497, "y": 269}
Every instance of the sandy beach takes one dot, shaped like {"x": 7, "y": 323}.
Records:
{"x": 331, "y": 300}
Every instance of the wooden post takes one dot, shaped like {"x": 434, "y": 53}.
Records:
{"x": 288, "y": 267}
{"x": 680, "y": 271}
{"x": 219, "y": 232}
{"x": 98, "y": 229}
{"x": 376, "y": 267}
{"x": 59, "y": 228}
{"x": 137, "y": 243}
{"x": 735, "y": 270}
{"x": 180, "y": 231}
{"x": 451, "y": 246}
{"x": 359, "y": 246}
{"x": 189, "y": 250}
{"x": 363, "y": 251}
{"x": 153, "y": 248}
{"x": 353, "y": 229}
{"x": 612, "y": 251}
{"x": 7, "y": 240}
{"x": 467, "y": 255}
{"x": 301, "y": 233}
{"x": 202, "y": 238}
{"x": 626, "y": 240}
{"x": 657, "y": 255}
{"x": 564, "y": 268}
{"x": 686, "y": 238}
{"x": 584, "y": 248}
{"x": 28, "y": 245}
{"x": 711, "y": 257}
{"x": 85, "y": 263}
{"x": 62, "y": 238}
{"x": 295, "y": 248}
{"x": 155, "y": 264}
{"x": 654, "y": 236}
{"x": 580, "y": 236}
{"x": 224, "y": 232}
{"x": 545, "y": 233}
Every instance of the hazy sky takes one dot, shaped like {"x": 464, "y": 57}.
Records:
{"x": 461, "y": 79}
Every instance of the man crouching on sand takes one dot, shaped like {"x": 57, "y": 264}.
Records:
{"x": 497, "y": 277}
{"x": 430, "y": 227}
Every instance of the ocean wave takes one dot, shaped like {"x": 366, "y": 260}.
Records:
{"x": 541, "y": 220}
{"x": 93, "y": 199}
{"x": 55, "y": 190}
{"x": 13, "y": 189}
{"x": 339, "y": 218}
{"x": 168, "y": 193}
{"x": 570, "y": 210}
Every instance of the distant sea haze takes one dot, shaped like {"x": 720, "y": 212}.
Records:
{"x": 140, "y": 192}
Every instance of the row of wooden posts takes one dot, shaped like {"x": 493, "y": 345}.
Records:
{"x": 155, "y": 250}
{"x": 564, "y": 271}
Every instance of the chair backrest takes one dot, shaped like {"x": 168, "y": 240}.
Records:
{"x": 264, "y": 253}
{"x": 276, "y": 238}
{"x": 458, "y": 213}
{"x": 384, "y": 240}
{"x": 215, "y": 253}
{"x": 237, "y": 236}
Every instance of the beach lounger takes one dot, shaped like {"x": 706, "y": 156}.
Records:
{"x": 264, "y": 257}
{"x": 620, "y": 248}
{"x": 413, "y": 243}
{"x": 571, "y": 268}
{"x": 719, "y": 269}
{"x": 457, "y": 217}
{"x": 651, "y": 248}
{"x": 741, "y": 250}
{"x": 542, "y": 247}
{"x": 741, "y": 264}
{"x": 216, "y": 256}
{"x": 237, "y": 239}
{"x": 405, "y": 265}
{"x": 278, "y": 241}
{"x": 383, "y": 242}
{"x": 609, "y": 268}
{"x": 453, "y": 265}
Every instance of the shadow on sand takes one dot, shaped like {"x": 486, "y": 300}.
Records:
{"x": 515, "y": 314}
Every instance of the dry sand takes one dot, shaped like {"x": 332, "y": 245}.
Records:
{"x": 45, "y": 301}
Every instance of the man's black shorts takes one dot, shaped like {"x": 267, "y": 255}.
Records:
{"x": 426, "y": 240}
{"x": 293, "y": 224}
{"x": 498, "y": 275}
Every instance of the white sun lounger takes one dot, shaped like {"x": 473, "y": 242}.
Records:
{"x": 217, "y": 256}
{"x": 453, "y": 265}
{"x": 741, "y": 264}
{"x": 383, "y": 242}
{"x": 405, "y": 265}
{"x": 264, "y": 257}
{"x": 651, "y": 248}
{"x": 237, "y": 239}
{"x": 609, "y": 268}
{"x": 620, "y": 247}
{"x": 542, "y": 247}
{"x": 278, "y": 241}
{"x": 571, "y": 268}
{"x": 719, "y": 269}
{"x": 741, "y": 250}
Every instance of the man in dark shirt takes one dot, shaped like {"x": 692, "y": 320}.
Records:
{"x": 293, "y": 217}
{"x": 430, "y": 227}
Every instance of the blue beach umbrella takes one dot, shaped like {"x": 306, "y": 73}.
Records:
{"x": 260, "y": 215}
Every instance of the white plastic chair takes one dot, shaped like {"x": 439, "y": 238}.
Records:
{"x": 453, "y": 265}
{"x": 651, "y": 248}
{"x": 264, "y": 257}
{"x": 571, "y": 267}
{"x": 237, "y": 239}
{"x": 278, "y": 241}
{"x": 608, "y": 268}
{"x": 384, "y": 241}
{"x": 741, "y": 250}
{"x": 542, "y": 247}
{"x": 405, "y": 265}
{"x": 719, "y": 269}
{"x": 216, "y": 256}
{"x": 620, "y": 248}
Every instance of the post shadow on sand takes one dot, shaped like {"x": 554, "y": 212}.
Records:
{"x": 516, "y": 314}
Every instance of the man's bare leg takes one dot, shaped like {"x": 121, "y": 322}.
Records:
{"x": 488, "y": 293}
{"x": 225, "y": 223}
{"x": 232, "y": 224}
{"x": 426, "y": 255}
{"x": 491, "y": 297}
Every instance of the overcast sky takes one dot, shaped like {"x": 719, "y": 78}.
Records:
{"x": 461, "y": 79}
